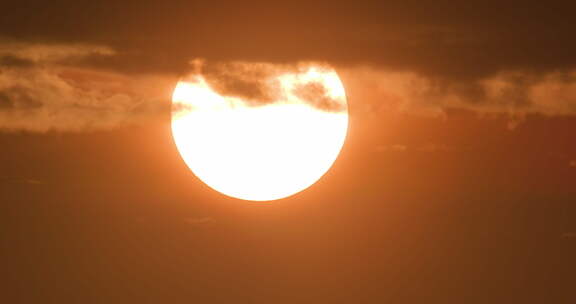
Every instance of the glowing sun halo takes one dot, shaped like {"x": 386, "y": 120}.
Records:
{"x": 261, "y": 151}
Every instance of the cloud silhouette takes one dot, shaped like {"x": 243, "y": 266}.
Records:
{"x": 421, "y": 56}
{"x": 40, "y": 91}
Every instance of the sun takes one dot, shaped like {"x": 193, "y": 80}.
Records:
{"x": 259, "y": 131}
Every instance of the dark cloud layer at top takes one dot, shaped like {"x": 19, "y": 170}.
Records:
{"x": 446, "y": 38}
{"x": 515, "y": 56}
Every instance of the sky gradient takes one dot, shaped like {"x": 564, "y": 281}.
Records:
{"x": 457, "y": 182}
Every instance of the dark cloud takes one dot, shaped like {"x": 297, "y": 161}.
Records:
{"x": 426, "y": 55}
{"x": 447, "y": 38}
{"x": 47, "y": 96}
{"x": 316, "y": 93}
{"x": 515, "y": 92}
{"x": 251, "y": 82}
{"x": 262, "y": 83}
{"x": 18, "y": 97}
{"x": 13, "y": 61}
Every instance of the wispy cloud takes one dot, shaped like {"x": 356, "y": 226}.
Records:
{"x": 41, "y": 54}
{"x": 29, "y": 181}
{"x": 514, "y": 92}
{"x": 74, "y": 87}
{"x": 391, "y": 148}
{"x": 199, "y": 221}
{"x": 40, "y": 92}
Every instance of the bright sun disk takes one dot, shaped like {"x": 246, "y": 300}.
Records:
{"x": 261, "y": 152}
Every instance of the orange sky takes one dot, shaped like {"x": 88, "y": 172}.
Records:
{"x": 456, "y": 183}
{"x": 415, "y": 208}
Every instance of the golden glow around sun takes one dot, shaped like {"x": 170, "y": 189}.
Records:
{"x": 260, "y": 150}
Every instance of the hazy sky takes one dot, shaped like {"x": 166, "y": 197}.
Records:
{"x": 456, "y": 183}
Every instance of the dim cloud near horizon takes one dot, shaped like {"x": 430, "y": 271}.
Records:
{"x": 53, "y": 87}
